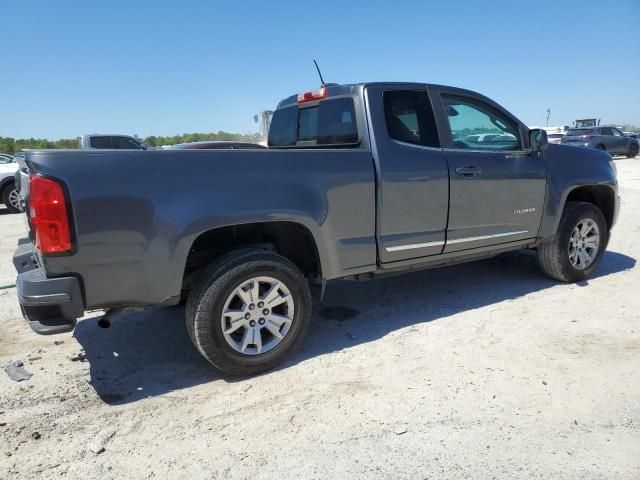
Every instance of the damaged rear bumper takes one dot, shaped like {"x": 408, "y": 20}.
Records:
{"x": 49, "y": 305}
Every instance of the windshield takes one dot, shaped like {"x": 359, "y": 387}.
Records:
{"x": 4, "y": 159}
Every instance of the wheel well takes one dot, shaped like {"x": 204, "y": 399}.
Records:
{"x": 600, "y": 196}
{"x": 5, "y": 183}
{"x": 289, "y": 239}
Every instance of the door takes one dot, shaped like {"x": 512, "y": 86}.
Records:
{"x": 620, "y": 142}
{"x": 497, "y": 186}
{"x": 607, "y": 139}
{"x": 412, "y": 174}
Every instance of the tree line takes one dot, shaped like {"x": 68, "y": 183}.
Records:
{"x": 11, "y": 145}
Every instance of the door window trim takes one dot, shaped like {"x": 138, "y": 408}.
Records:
{"x": 407, "y": 144}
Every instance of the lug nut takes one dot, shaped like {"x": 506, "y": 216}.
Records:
{"x": 247, "y": 316}
{"x": 261, "y": 321}
{"x": 260, "y": 304}
{"x": 265, "y": 311}
{"x": 252, "y": 306}
{"x": 252, "y": 323}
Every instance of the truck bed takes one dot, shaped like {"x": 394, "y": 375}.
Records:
{"x": 136, "y": 214}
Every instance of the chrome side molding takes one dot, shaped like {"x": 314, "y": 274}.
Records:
{"x": 412, "y": 246}
{"x": 486, "y": 237}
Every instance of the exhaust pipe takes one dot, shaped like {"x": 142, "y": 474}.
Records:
{"x": 105, "y": 321}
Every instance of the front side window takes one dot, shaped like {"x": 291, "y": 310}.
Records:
{"x": 409, "y": 117}
{"x": 101, "y": 142}
{"x": 331, "y": 122}
{"x": 477, "y": 126}
{"x": 617, "y": 132}
{"x": 125, "y": 143}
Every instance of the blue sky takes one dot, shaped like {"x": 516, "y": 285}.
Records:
{"x": 150, "y": 67}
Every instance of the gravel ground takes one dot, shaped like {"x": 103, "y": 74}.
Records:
{"x": 484, "y": 370}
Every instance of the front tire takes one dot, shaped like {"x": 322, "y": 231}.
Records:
{"x": 249, "y": 311}
{"x": 575, "y": 251}
{"x": 11, "y": 198}
{"x": 633, "y": 151}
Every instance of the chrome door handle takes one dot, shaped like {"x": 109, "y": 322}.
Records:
{"x": 469, "y": 171}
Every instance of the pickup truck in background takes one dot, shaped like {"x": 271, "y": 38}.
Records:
{"x": 110, "y": 142}
{"x": 358, "y": 181}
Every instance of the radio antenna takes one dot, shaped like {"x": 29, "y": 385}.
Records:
{"x": 319, "y": 73}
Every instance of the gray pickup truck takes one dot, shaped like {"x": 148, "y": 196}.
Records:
{"x": 358, "y": 181}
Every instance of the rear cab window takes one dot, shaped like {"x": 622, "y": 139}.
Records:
{"x": 327, "y": 123}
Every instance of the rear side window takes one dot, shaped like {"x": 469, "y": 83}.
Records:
{"x": 331, "y": 122}
{"x": 410, "y": 118}
{"x": 101, "y": 142}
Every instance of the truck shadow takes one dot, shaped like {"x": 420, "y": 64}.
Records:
{"x": 149, "y": 353}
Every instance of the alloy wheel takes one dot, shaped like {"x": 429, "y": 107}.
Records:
{"x": 584, "y": 244}
{"x": 257, "y": 315}
{"x": 14, "y": 198}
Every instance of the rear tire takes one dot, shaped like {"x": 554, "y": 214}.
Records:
{"x": 569, "y": 257}
{"x": 11, "y": 198}
{"x": 633, "y": 151}
{"x": 247, "y": 340}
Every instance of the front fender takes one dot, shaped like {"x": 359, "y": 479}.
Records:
{"x": 570, "y": 168}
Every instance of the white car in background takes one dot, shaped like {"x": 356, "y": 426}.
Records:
{"x": 9, "y": 196}
{"x": 555, "y": 137}
{"x": 480, "y": 137}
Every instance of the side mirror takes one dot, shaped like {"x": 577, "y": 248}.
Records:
{"x": 143, "y": 146}
{"x": 538, "y": 140}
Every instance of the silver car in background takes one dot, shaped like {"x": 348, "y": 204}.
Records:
{"x": 607, "y": 138}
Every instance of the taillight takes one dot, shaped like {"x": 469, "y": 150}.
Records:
{"x": 313, "y": 95}
{"x": 48, "y": 214}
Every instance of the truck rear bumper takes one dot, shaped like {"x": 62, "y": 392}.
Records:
{"x": 49, "y": 305}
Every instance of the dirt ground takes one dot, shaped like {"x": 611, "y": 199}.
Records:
{"x": 485, "y": 370}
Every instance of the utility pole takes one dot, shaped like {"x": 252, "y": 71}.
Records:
{"x": 548, "y": 115}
